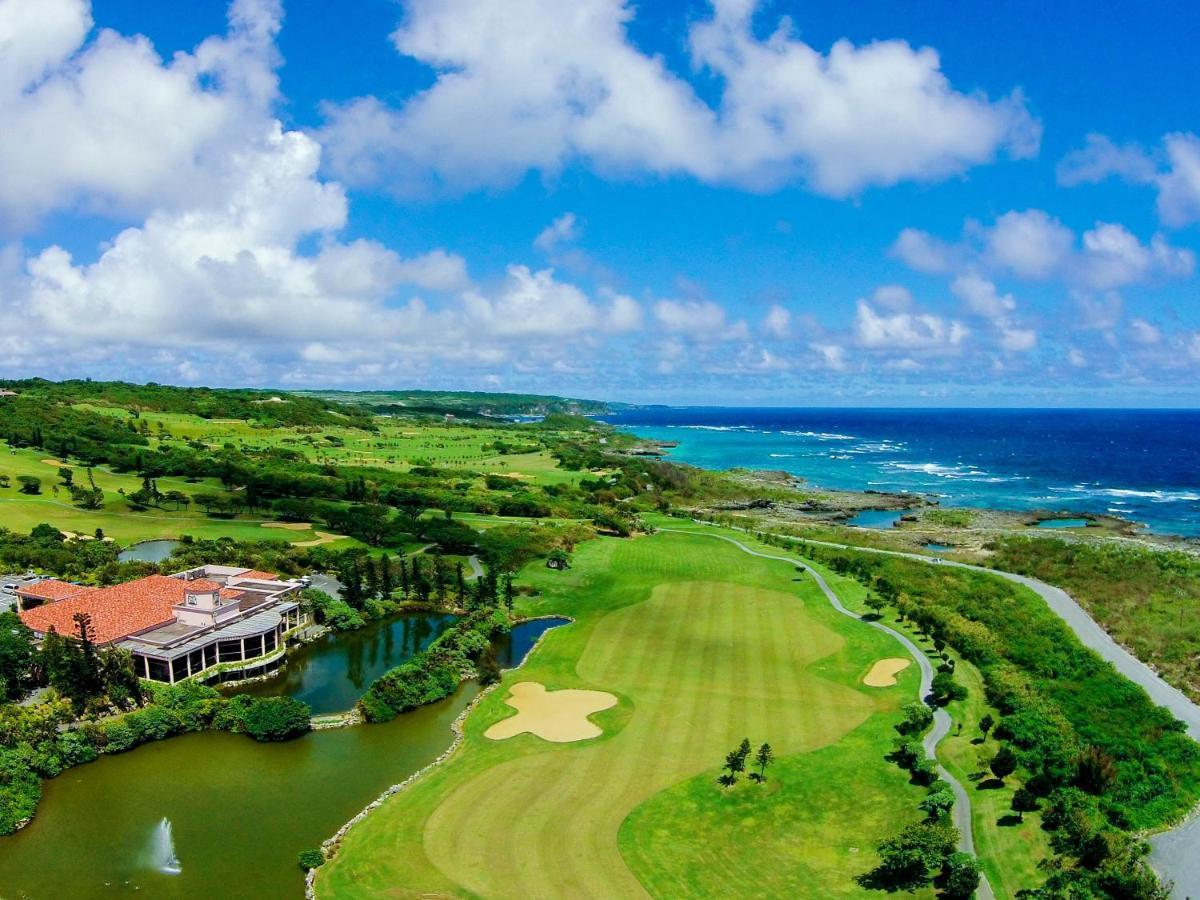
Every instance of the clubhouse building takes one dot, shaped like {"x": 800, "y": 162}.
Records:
{"x": 215, "y": 623}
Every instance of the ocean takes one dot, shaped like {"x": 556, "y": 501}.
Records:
{"x": 1142, "y": 465}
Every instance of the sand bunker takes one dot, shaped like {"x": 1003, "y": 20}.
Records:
{"x": 323, "y": 537}
{"x": 59, "y": 463}
{"x": 884, "y": 672}
{"x": 558, "y": 716}
{"x": 289, "y": 526}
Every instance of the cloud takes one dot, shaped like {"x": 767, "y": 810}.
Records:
{"x": 436, "y": 270}
{"x": 983, "y": 300}
{"x": 1142, "y": 332}
{"x": 699, "y": 319}
{"x": 1173, "y": 169}
{"x": 777, "y": 321}
{"x": 1100, "y": 158}
{"x": 1034, "y": 246}
{"x": 536, "y": 304}
{"x": 832, "y": 356}
{"x": 1113, "y": 257}
{"x": 535, "y": 85}
{"x": 922, "y": 252}
{"x": 108, "y": 126}
{"x": 906, "y": 331}
{"x": 1030, "y": 244}
{"x": 563, "y": 230}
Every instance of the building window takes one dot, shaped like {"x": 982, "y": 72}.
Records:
{"x": 210, "y": 655}
{"x": 230, "y": 651}
{"x": 158, "y": 670}
{"x": 191, "y": 599}
{"x": 179, "y": 668}
{"x": 196, "y": 657}
{"x": 254, "y": 646}
{"x": 269, "y": 642}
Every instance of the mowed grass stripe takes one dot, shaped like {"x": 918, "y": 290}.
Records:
{"x": 703, "y": 647}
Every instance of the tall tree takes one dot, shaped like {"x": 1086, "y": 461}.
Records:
{"x": 763, "y": 758}
{"x": 386, "y": 580}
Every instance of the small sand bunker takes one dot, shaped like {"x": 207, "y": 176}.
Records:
{"x": 884, "y": 672}
{"x": 59, "y": 463}
{"x": 323, "y": 537}
{"x": 558, "y": 716}
{"x": 288, "y": 526}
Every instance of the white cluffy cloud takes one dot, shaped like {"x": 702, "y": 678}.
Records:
{"x": 536, "y": 84}
{"x": 983, "y": 300}
{"x": 900, "y": 326}
{"x": 702, "y": 320}
{"x": 111, "y": 127}
{"x": 1174, "y": 170}
{"x": 1034, "y": 246}
{"x": 243, "y": 275}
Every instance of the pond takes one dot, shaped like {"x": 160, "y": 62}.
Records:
{"x": 878, "y": 518}
{"x": 1062, "y": 523}
{"x": 239, "y": 811}
{"x": 148, "y": 551}
{"x": 939, "y": 548}
{"x": 236, "y": 812}
{"x": 331, "y": 673}
{"x": 513, "y": 647}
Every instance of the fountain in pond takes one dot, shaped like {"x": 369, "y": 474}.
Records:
{"x": 162, "y": 849}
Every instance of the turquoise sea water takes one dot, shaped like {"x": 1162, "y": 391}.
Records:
{"x": 1142, "y": 465}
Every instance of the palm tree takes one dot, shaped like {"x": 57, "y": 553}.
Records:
{"x": 762, "y": 759}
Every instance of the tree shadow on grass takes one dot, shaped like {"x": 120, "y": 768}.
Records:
{"x": 1009, "y": 821}
{"x": 991, "y": 784}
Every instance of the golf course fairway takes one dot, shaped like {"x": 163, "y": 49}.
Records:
{"x": 703, "y": 646}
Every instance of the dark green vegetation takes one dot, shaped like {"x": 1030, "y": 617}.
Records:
{"x": 1102, "y": 760}
{"x": 1148, "y": 600}
{"x": 459, "y": 403}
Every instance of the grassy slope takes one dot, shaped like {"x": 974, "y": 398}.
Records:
{"x": 1009, "y": 852}
{"x": 704, "y": 646}
{"x": 21, "y": 512}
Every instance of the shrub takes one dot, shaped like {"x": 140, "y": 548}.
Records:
{"x": 310, "y": 859}
{"x": 961, "y": 876}
{"x": 276, "y": 718}
{"x": 118, "y": 737}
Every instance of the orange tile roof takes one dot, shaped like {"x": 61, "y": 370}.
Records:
{"x": 116, "y": 612}
{"x": 201, "y": 585}
{"x": 256, "y": 575}
{"x": 52, "y": 589}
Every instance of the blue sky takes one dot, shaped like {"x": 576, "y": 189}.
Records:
{"x": 779, "y": 203}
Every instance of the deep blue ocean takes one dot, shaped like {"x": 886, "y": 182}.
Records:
{"x": 1142, "y": 465}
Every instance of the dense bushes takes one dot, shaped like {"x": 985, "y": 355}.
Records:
{"x": 270, "y": 718}
{"x": 1147, "y": 599}
{"x": 435, "y": 672}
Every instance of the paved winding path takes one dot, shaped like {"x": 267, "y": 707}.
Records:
{"x": 941, "y": 719}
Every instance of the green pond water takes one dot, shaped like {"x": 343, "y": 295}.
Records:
{"x": 1062, "y": 523}
{"x": 331, "y": 673}
{"x": 239, "y": 811}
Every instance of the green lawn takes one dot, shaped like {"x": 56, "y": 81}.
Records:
{"x": 21, "y": 512}
{"x": 703, "y": 645}
{"x": 1009, "y": 850}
